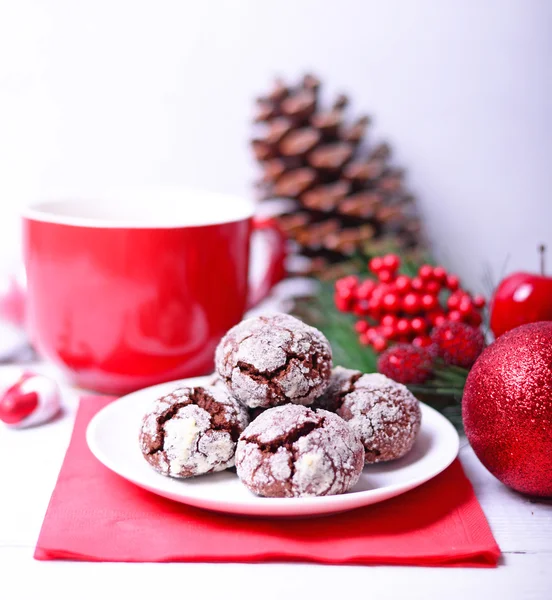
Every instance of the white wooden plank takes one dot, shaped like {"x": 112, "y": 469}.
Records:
{"x": 524, "y": 577}
{"x": 520, "y": 524}
{"x": 28, "y": 471}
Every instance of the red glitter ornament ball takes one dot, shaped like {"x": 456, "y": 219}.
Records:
{"x": 406, "y": 363}
{"x": 507, "y": 408}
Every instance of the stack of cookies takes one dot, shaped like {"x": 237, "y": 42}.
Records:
{"x": 291, "y": 424}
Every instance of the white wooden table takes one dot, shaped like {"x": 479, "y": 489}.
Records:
{"x": 29, "y": 464}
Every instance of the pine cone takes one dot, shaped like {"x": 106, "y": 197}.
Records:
{"x": 345, "y": 197}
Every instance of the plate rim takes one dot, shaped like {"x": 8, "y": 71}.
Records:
{"x": 303, "y": 506}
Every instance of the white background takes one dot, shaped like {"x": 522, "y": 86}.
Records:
{"x": 123, "y": 92}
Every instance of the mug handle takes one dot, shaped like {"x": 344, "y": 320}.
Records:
{"x": 275, "y": 269}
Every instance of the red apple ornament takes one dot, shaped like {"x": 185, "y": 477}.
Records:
{"x": 27, "y": 399}
{"x": 507, "y": 408}
{"x": 522, "y": 298}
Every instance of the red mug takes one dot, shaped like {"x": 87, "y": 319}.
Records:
{"x": 123, "y": 295}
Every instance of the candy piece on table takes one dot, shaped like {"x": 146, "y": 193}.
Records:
{"x": 27, "y": 399}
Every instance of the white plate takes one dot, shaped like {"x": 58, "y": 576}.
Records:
{"x": 112, "y": 436}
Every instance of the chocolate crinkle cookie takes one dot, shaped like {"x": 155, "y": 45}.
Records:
{"x": 293, "y": 450}
{"x": 192, "y": 431}
{"x": 341, "y": 382}
{"x": 268, "y": 361}
{"x": 384, "y": 413}
{"x": 216, "y": 381}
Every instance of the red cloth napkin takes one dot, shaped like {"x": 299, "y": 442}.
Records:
{"x": 96, "y": 515}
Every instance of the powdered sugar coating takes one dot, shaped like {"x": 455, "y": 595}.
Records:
{"x": 216, "y": 381}
{"x": 192, "y": 431}
{"x": 291, "y": 451}
{"x": 268, "y": 361}
{"x": 384, "y": 413}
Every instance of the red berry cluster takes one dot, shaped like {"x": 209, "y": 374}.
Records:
{"x": 455, "y": 343}
{"x": 397, "y": 308}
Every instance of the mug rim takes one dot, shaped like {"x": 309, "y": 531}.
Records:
{"x": 166, "y": 203}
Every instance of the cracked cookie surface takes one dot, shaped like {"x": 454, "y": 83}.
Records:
{"x": 268, "y": 361}
{"x": 192, "y": 431}
{"x": 292, "y": 450}
{"x": 384, "y": 413}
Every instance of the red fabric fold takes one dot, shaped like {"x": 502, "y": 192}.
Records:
{"x": 95, "y": 515}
